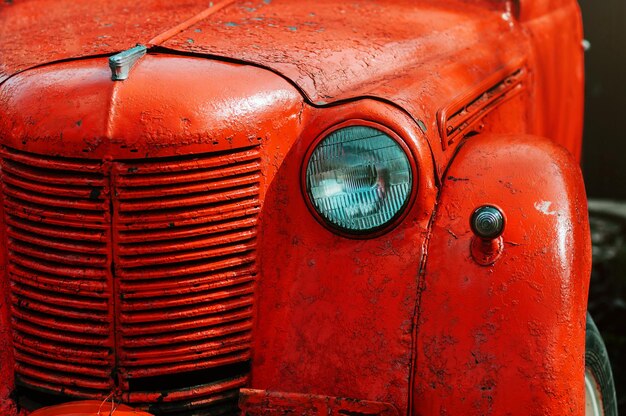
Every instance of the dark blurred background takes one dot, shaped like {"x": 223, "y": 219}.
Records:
{"x": 604, "y": 167}
{"x": 604, "y": 147}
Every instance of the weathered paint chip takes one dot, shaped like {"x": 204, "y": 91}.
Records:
{"x": 544, "y": 207}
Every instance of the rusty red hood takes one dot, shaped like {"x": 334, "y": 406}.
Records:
{"x": 394, "y": 50}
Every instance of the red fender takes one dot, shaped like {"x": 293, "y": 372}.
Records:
{"x": 508, "y": 338}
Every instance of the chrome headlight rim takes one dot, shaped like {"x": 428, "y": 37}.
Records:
{"x": 400, "y": 215}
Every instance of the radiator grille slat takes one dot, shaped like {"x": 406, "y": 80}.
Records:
{"x": 59, "y": 217}
{"x": 56, "y": 305}
{"x": 183, "y": 271}
{"x": 59, "y": 269}
{"x": 217, "y": 398}
{"x": 69, "y": 235}
{"x": 64, "y": 379}
{"x": 51, "y": 201}
{"x": 64, "y": 388}
{"x": 86, "y": 169}
{"x": 193, "y": 200}
{"x": 60, "y": 352}
{"x": 35, "y": 360}
{"x": 188, "y": 244}
{"x": 53, "y": 285}
{"x": 73, "y": 329}
{"x": 190, "y": 284}
{"x": 143, "y": 173}
{"x": 196, "y": 183}
{"x": 159, "y": 222}
{"x": 227, "y": 248}
{"x": 194, "y": 296}
{"x": 186, "y": 336}
{"x": 176, "y": 367}
{"x": 59, "y": 255}
{"x": 188, "y": 324}
{"x": 26, "y": 328}
{"x": 209, "y": 350}
{"x": 81, "y": 193}
{"x": 50, "y": 175}
{"x": 208, "y": 346}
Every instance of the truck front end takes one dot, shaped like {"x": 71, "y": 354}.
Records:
{"x": 194, "y": 232}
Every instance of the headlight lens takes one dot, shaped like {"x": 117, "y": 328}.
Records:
{"x": 358, "y": 179}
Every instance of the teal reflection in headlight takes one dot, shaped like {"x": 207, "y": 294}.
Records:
{"x": 358, "y": 178}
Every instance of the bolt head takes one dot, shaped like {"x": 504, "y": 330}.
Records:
{"x": 487, "y": 222}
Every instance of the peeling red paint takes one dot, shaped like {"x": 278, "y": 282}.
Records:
{"x": 362, "y": 54}
{"x": 514, "y": 331}
{"x": 79, "y": 29}
{"x": 158, "y": 228}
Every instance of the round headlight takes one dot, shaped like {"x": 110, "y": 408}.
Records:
{"x": 358, "y": 179}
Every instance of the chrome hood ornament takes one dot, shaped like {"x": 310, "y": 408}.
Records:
{"x": 122, "y": 62}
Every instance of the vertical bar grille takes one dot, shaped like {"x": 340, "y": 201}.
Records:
{"x": 57, "y": 217}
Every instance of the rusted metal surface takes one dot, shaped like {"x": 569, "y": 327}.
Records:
{"x": 79, "y": 29}
{"x": 329, "y": 307}
{"x": 424, "y": 59}
{"x": 362, "y": 54}
{"x": 162, "y": 218}
{"x": 513, "y": 332}
{"x": 260, "y": 402}
{"x": 174, "y": 227}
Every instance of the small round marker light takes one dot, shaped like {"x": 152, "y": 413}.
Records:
{"x": 487, "y": 222}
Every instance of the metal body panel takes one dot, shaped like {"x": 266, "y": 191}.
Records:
{"x": 284, "y": 221}
{"x": 168, "y": 290}
{"x": 506, "y": 338}
{"x": 329, "y": 307}
{"x": 334, "y": 52}
{"x": 172, "y": 106}
{"x": 276, "y": 119}
{"x": 405, "y": 318}
{"x": 557, "y": 56}
{"x": 38, "y": 32}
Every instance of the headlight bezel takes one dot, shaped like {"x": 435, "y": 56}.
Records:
{"x": 402, "y": 212}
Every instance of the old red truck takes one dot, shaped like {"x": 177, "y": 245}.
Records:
{"x": 295, "y": 207}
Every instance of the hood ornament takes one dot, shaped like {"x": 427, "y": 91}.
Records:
{"x": 122, "y": 62}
